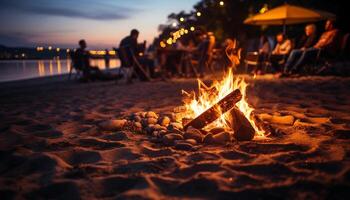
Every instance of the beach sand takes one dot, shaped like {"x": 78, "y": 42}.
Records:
{"x": 51, "y": 146}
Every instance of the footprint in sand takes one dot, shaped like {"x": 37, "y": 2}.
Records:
{"x": 80, "y": 156}
{"x": 269, "y": 148}
{"x": 202, "y": 156}
{"x": 50, "y": 134}
{"x": 149, "y": 166}
{"x": 114, "y": 185}
{"x": 117, "y": 154}
{"x": 99, "y": 144}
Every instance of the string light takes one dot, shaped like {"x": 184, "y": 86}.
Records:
{"x": 221, "y": 3}
{"x": 174, "y": 24}
{"x": 192, "y": 28}
{"x": 264, "y": 9}
{"x": 162, "y": 44}
{"x": 198, "y": 14}
{"x": 182, "y": 19}
{"x": 169, "y": 41}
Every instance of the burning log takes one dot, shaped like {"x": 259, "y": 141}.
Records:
{"x": 243, "y": 130}
{"x": 210, "y": 115}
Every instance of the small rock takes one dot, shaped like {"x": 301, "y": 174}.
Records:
{"x": 298, "y": 122}
{"x": 137, "y": 124}
{"x": 164, "y": 121}
{"x": 217, "y": 130}
{"x": 286, "y": 120}
{"x": 222, "y": 138}
{"x": 113, "y": 125}
{"x": 183, "y": 146}
{"x": 151, "y": 120}
{"x": 175, "y": 125}
{"x": 137, "y": 119}
{"x": 208, "y": 139}
{"x": 169, "y": 139}
{"x": 194, "y": 134}
{"x": 191, "y": 141}
{"x": 151, "y": 114}
{"x": 159, "y": 127}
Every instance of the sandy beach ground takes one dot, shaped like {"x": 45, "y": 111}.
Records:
{"x": 51, "y": 146}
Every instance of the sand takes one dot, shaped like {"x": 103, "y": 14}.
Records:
{"x": 51, "y": 146}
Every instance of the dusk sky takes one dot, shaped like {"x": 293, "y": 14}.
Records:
{"x": 103, "y": 23}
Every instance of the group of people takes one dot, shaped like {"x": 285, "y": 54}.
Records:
{"x": 287, "y": 58}
{"x": 192, "y": 56}
{"x": 189, "y": 56}
{"x": 128, "y": 54}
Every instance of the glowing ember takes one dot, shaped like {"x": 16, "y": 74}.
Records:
{"x": 208, "y": 96}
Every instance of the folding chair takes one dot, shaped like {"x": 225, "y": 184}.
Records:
{"x": 129, "y": 60}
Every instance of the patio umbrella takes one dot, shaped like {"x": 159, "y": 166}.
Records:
{"x": 288, "y": 14}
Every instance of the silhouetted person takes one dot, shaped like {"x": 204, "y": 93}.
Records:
{"x": 107, "y": 59}
{"x": 130, "y": 49}
{"x": 82, "y": 62}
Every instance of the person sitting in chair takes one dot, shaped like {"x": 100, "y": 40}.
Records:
{"x": 129, "y": 47}
{"x": 308, "y": 40}
{"x": 281, "y": 50}
{"x": 81, "y": 61}
{"x": 325, "y": 41}
{"x": 263, "y": 53}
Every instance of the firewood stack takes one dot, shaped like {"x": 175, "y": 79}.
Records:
{"x": 239, "y": 124}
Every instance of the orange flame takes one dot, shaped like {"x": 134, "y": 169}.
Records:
{"x": 208, "y": 96}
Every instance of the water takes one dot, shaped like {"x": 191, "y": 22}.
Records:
{"x": 24, "y": 69}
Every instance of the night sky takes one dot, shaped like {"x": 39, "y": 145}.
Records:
{"x": 102, "y": 23}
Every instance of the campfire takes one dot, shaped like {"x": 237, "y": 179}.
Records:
{"x": 224, "y": 105}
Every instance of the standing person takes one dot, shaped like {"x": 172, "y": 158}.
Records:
{"x": 308, "y": 40}
{"x": 107, "y": 58}
{"x": 129, "y": 43}
{"x": 205, "y": 48}
{"x": 281, "y": 50}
